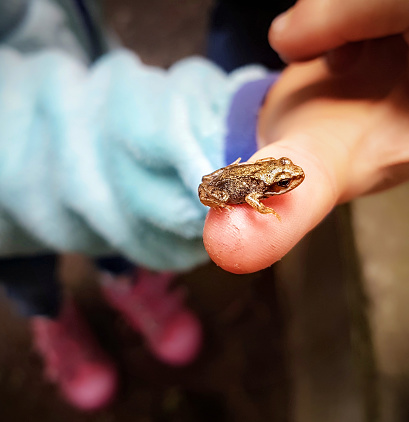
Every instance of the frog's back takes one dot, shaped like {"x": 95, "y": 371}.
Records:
{"x": 239, "y": 171}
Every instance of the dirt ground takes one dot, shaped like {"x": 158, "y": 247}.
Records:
{"x": 239, "y": 376}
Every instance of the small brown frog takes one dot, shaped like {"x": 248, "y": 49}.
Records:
{"x": 250, "y": 182}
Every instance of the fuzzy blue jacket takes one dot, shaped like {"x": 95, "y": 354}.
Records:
{"x": 105, "y": 156}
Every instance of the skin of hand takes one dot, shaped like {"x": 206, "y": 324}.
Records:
{"x": 336, "y": 28}
{"x": 349, "y": 131}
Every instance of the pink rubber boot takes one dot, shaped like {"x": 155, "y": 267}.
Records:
{"x": 73, "y": 360}
{"x": 173, "y": 333}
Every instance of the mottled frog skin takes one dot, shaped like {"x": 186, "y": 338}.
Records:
{"x": 250, "y": 182}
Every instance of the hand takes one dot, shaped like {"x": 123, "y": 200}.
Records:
{"x": 350, "y": 134}
{"x": 336, "y": 28}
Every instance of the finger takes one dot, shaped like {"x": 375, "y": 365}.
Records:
{"x": 313, "y": 27}
{"x": 242, "y": 240}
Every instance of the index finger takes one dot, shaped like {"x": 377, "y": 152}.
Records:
{"x": 314, "y": 27}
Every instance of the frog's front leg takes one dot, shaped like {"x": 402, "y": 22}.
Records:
{"x": 253, "y": 199}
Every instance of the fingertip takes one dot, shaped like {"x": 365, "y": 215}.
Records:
{"x": 280, "y": 25}
{"x": 277, "y": 34}
{"x": 301, "y": 34}
{"x": 290, "y": 45}
{"x": 233, "y": 238}
{"x": 243, "y": 240}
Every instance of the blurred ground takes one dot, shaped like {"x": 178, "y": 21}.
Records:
{"x": 382, "y": 231}
{"x": 239, "y": 376}
{"x": 160, "y": 31}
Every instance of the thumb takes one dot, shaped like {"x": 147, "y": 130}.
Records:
{"x": 241, "y": 240}
{"x": 313, "y": 27}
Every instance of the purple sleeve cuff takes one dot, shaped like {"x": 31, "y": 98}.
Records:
{"x": 242, "y": 118}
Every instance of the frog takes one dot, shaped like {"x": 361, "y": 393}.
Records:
{"x": 250, "y": 183}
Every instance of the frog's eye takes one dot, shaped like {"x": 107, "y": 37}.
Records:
{"x": 284, "y": 183}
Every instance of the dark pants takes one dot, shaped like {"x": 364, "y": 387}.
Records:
{"x": 32, "y": 282}
{"x": 238, "y": 33}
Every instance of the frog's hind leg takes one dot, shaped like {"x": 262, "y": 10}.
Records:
{"x": 211, "y": 176}
{"x": 235, "y": 162}
{"x": 219, "y": 172}
{"x": 253, "y": 199}
{"x": 264, "y": 160}
{"x": 207, "y": 197}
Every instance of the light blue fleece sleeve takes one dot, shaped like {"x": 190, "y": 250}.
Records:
{"x": 108, "y": 159}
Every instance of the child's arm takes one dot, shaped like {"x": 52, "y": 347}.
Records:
{"x": 109, "y": 158}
